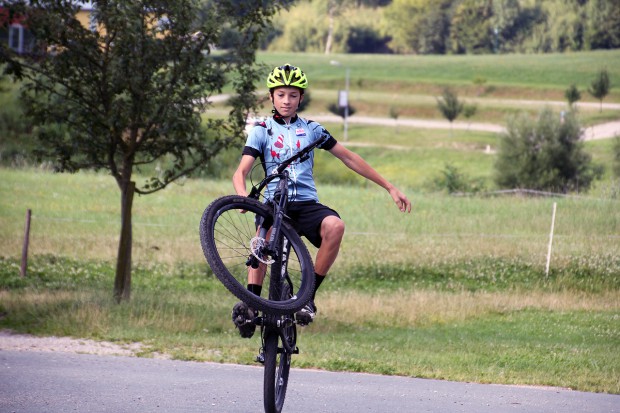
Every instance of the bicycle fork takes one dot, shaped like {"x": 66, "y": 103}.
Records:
{"x": 261, "y": 248}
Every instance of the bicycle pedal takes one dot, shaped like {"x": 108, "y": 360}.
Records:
{"x": 260, "y": 358}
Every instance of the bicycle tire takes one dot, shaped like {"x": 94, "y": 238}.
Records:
{"x": 225, "y": 234}
{"x": 277, "y": 367}
{"x": 278, "y": 359}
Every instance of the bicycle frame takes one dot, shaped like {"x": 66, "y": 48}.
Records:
{"x": 272, "y": 248}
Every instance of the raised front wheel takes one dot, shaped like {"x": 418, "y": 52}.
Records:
{"x": 231, "y": 244}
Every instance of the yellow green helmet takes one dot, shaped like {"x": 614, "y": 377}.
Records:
{"x": 287, "y": 75}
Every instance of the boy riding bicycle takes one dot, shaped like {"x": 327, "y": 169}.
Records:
{"x": 277, "y": 138}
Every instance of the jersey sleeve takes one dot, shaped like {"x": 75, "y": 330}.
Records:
{"x": 255, "y": 143}
{"x": 248, "y": 150}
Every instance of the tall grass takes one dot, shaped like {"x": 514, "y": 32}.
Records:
{"x": 78, "y": 216}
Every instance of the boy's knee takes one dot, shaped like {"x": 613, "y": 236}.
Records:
{"x": 333, "y": 227}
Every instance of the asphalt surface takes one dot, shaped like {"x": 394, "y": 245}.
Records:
{"x": 37, "y": 382}
{"x": 601, "y": 131}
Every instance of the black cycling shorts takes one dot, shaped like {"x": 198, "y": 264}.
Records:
{"x": 307, "y": 217}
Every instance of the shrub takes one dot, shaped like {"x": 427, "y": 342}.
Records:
{"x": 545, "y": 154}
{"x": 572, "y": 95}
{"x": 453, "y": 180}
{"x": 339, "y": 110}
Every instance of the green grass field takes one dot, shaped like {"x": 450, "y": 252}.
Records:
{"x": 457, "y": 290}
{"x": 532, "y": 74}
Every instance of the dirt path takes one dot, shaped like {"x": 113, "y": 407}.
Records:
{"x": 27, "y": 342}
{"x": 600, "y": 131}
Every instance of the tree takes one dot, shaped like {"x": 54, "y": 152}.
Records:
{"x": 506, "y": 20}
{"x": 545, "y": 154}
{"x": 469, "y": 111}
{"x": 134, "y": 90}
{"x": 394, "y": 114}
{"x": 602, "y": 21}
{"x": 361, "y": 32}
{"x": 471, "y": 27}
{"x": 334, "y": 8}
{"x": 418, "y": 26}
{"x": 301, "y": 29}
{"x": 572, "y": 95}
{"x": 599, "y": 88}
{"x": 404, "y": 20}
{"x": 449, "y": 105}
{"x": 15, "y": 147}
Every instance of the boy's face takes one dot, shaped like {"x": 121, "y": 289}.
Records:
{"x": 286, "y": 100}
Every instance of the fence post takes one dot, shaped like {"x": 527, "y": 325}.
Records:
{"x": 550, "y": 239}
{"x": 24, "y": 265}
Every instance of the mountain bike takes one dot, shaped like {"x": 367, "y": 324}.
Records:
{"x": 238, "y": 233}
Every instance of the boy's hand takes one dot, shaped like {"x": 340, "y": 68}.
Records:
{"x": 401, "y": 200}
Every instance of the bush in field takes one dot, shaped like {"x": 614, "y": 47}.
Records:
{"x": 453, "y": 180}
{"x": 339, "y": 110}
{"x": 545, "y": 154}
{"x": 572, "y": 95}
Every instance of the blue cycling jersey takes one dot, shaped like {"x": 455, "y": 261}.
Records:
{"x": 274, "y": 141}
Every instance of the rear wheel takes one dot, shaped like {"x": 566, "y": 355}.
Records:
{"x": 279, "y": 345}
{"x": 228, "y": 235}
{"x": 277, "y": 367}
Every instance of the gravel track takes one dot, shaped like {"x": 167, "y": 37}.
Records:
{"x": 26, "y": 342}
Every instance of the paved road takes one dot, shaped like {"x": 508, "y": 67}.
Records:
{"x": 47, "y": 382}
{"x": 600, "y": 131}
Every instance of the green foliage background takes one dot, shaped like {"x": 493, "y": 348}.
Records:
{"x": 447, "y": 26}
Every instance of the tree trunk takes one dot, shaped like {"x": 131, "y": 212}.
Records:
{"x": 122, "y": 282}
{"x": 330, "y": 31}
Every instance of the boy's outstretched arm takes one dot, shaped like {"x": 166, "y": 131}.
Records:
{"x": 360, "y": 166}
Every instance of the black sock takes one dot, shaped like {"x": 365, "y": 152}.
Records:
{"x": 255, "y": 288}
{"x": 318, "y": 279}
